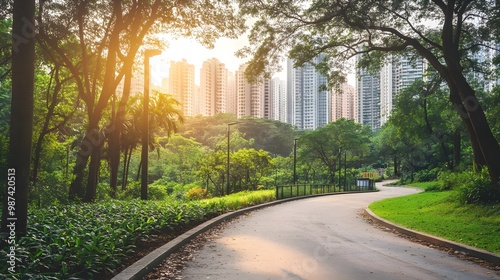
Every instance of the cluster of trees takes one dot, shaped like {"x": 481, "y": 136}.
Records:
{"x": 86, "y": 49}
{"x": 424, "y": 134}
{"x": 447, "y": 34}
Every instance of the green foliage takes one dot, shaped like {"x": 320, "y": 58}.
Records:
{"x": 242, "y": 199}
{"x": 133, "y": 191}
{"x": 426, "y": 175}
{"x": 196, "y": 193}
{"x": 248, "y": 167}
{"x": 448, "y": 180}
{"x": 336, "y": 142}
{"x": 86, "y": 240}
{"x": 479, "y": 189}
{"x": 470, "y": 187}
{"x": 272, "y": 136}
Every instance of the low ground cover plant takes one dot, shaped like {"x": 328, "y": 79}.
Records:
{"x": 82, "y": 241}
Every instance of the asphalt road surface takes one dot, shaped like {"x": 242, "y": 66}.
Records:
{"x": 323, "y": 238}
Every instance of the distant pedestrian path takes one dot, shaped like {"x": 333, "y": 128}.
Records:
{"x": 323, "y": 238}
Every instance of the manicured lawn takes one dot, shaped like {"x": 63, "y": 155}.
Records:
{"x": 439, "y": 214}
{"x": 424, "y": 185}
{"x": 243, "y": 199}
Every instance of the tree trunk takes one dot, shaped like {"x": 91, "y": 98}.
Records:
{"x": 139, "y": 171}
{"x": 93, "y": 176}
{"x": 456, "y": 148}
{"x": 93, "y": 140}
{"x": 115, "y": 136}
{"x": 125, "y": 153}
{"x": 479, "y": 160}
{"x": 21, "y": 119}
{"x": 469, "y": 108}
{"x": 128, "y": 168}
{"x": 396, "y": 169}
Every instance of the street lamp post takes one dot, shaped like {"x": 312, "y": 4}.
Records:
{"x": 228, "y": 154}
{"x": 295, "y": 161}
{"x": 345, "y": 169}
{"x": 340, "y": 167}
{"x": 145, "y": 124}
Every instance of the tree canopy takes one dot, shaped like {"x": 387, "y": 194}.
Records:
{"x": 447, "y": 34}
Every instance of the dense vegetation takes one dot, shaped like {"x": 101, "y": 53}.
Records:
{"x": 85, "y": 241}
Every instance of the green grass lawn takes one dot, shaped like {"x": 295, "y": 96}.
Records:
{"x": 439, "y": 214}
{"x": 243, "y": 199}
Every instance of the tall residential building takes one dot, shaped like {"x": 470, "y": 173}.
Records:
{"x": 231, "y": 93}
{"x": 249, "y": 96}
{"x": 279, "y": 100}
{"x": 268, "y": 100}
{"x": 486, "y": 55}
{"x": 213, "y": 87}
{"x": 311, "y": 103}
{"x": 182, "y": 86}
{"x": 396, "y": 74}
{"x": 344, "y": 103}
{"x": 136, "y": 84}
{"x": 368, "y": 93}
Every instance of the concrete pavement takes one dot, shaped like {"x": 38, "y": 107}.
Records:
{"x": 323, "y": 238}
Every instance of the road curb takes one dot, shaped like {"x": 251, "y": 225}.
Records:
{"x": 471, "y": 251}
{"x": 145, "y": 265}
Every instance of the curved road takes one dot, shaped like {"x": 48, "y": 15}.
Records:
{"x": 323, "y": 238}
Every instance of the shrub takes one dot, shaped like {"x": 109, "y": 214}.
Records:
{"x": 155, "y": 192}
{"x": 478, "y": 188}
{"x": 196, "y": 193}
{"x": 426, "y": 175}
{"x": 83, "y": 241}
{"x": 448, "y": 180}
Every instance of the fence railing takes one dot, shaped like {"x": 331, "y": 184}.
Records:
{"x": 287, "y": 191}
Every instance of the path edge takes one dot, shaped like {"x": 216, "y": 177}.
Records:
{"x": 471, "y": 251}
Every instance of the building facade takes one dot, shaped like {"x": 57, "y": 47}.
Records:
{"x": 279, "y": 100}
{"x": 213, "y": 88}
{"x": 182, "y": 85}
{"x": 396, "y": 74}
{"x": 311, "y": 102}
{"x": 368, "y": 95}
{"x": 344, "y": 103}
{"x": 250, "y": 97}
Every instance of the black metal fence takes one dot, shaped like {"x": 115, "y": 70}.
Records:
{"x": 287, "y": 191}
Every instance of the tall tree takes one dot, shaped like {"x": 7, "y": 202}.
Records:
{"x": 445, "y": 33}
{"x": 15, "y": 201}
{"x": 327, "y": 144}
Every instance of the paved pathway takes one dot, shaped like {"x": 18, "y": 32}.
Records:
{"x": 323, "y": 238}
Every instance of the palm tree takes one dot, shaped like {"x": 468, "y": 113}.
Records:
{"x": 165, "y": 117}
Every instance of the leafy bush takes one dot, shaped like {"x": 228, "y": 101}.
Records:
{"x": 196, "y": 193}
{"x": 244, "y": 198}
{"x": 448, "y": 180}
{"x": 471, "y": 187}
{"x": 83, "y": 241}
{"x": 426, "y": 175}
{"x": 133, "y": 191}
{"x": 478, "y": 188}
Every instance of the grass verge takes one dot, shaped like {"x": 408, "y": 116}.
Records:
{"x": 439, "y": 214}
